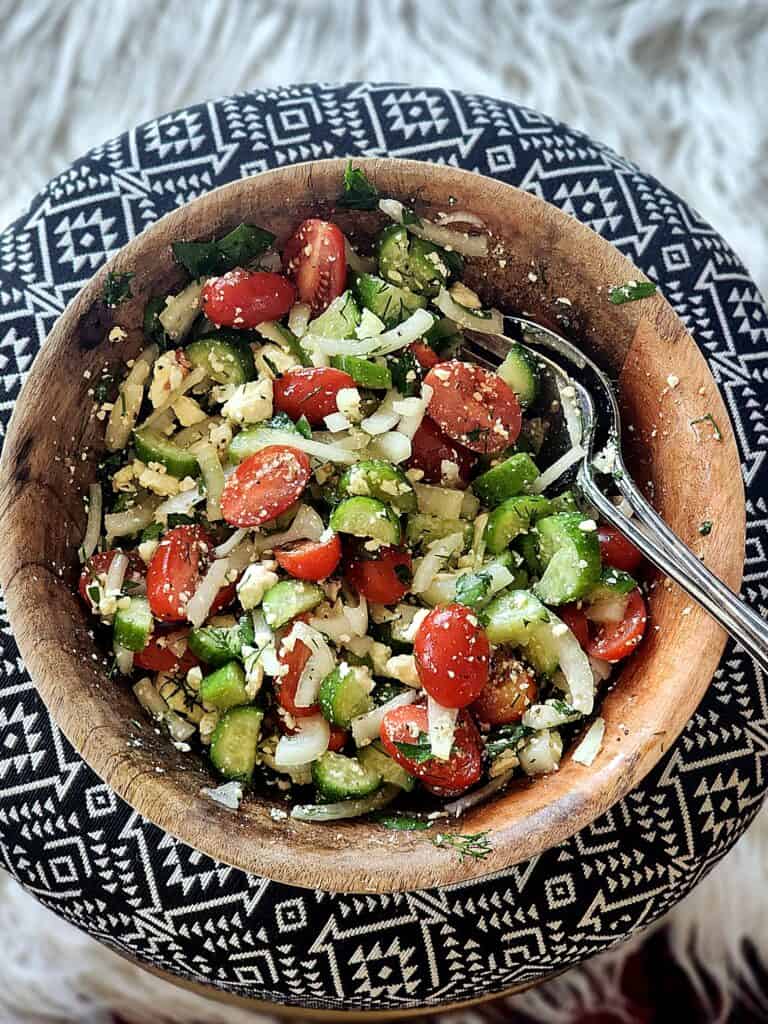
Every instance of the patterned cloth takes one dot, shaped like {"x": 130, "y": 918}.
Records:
{"x": 82, "y": 851}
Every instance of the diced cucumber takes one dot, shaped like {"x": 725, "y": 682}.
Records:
{"x": 215, "y": 645}
{"x": 224, "y": 688}
{"x": 392, "y": 252}
{"x": 444, "y": 336}
{"x": 364, "y": 372}
{"x": 345, "y": 693}
{"x": 375, "y": 478}
{"x": 222, "y": 361}
{"x": 385, "y": 690}
{"x": 476, "y": 589}
{"x": 565, "y": 502}
{"x": 540, "y": 651}
{"x": 411, "y": 263}
{"x": 506, "y": 480}
{"x": 288, "y": 599}
{"x": 509, "y": 616}
{"x": 339, "y": 320}
{"x": 520, "y": 371}
{"x": 338, "y": 777}
{"x": 234, "y": 742}
{"x": 513, "y": 517}
{"x": 375, "y": 758}
{"x": 612, "y": 583}
{"x": 528, "y": 546}
{"x": 367, "y": 517}
{"x": 151, "y": 446}
{"x": 391, "y": 304}
{"x": 133, "y": 625}
{"x": 570, "y": 556}
{"x": 421, "y": 529}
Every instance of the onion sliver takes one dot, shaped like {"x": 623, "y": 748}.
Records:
{"x": 541, "y": 753}
{"x": 116, "y": 573}
{"x": 574, "y": 663}
{"x": 459, "y": 241}
{"x": 93, "y": 524}
{"x": 200, "y": 603}
{"x": 305, "y": 745}
{"x": 320, "y": 663}
{"x": 123, "y": 659}
{"x": 392, "y": 447}
{"x": 123, "y": 416}
{"x": 230, "y": 543}
{"x": 307, "y": 525}
{"x": 213, "y": 477}
{"x": 547, "y": 716}
{"x": 556, "y": 470}
{"x": 366, "y": 727}
{"x": 591, "y": 743}
{"x": 460, "y": 217}
{"x": 262, "y": 437}
{"x": 123, "y": 524}
{"x": 346, "y": 808}
{"x": 196, "y": 376}
{"x": 298, "y": 318}
{"x": 441, "y": 724}
{"x": 484, "y": 321}
{"x": 417, "y": 325}
{"x": 359, "y": 264}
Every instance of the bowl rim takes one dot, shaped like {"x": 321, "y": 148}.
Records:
{"x": 551, "y": 824}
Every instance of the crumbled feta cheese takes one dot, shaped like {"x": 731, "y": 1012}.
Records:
{"x": 506, "y": 760}
{"x": 253, "y": 585}
{"x": 403, "y": 668}
{"x": 158, "y": 482}
{"x": 465, "y": 296}
{"x": 123, "y": 479}
{"x": 194, "y": 678}
{"x": 348, "y": 404}
{"x": 117, "y": 334}
{"x": 250, "y": 402}
{"x": 588, "y": 525}
{"x": 673, "y": 380}
{"x": 187, "y": 411}
{"x": 220, "y": 434}
{"x": 167, "y": 375}
{"x": 207, "y": 726}
{"x": 271, "y": 360}
{"x": 277, "y": 815}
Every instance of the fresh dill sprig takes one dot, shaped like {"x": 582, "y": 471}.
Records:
{"x": 476, "y": 846}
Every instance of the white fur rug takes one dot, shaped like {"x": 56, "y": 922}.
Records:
{"x": 677, "y": 85}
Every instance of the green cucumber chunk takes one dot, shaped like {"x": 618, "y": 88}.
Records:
{"x": 476, "y": 589}
{"x": 528, "y": 546}
{"x": 345, "y": 693}
{"x": 222, "y": 361}
{"x": 288, "y": 599}
{"x": 234, "y": 742}
{"x": 422, "y": 529}
{"x": 513, "y": 517}
{"x": 367, "y": 517}
{"x": 224, "y": 688}
{"x": 612, "y": 583}
{"x": 376, "y": 759}
{"x": 565, "y": 502}
{"x": 364, "y": 372}
{"x": 339, "y": 320}
{"x": 339, "y": 777}
{"x": 411, "y": 263}
{"x": 253, "y": 439}
{"x": 151, "y": 446}
{"x": 509, "y": 616}
{"x": 375, "y": 478}
{"x": 540, "y": 651}
{"x": 389, "y": 302}
{"x": 507, "y": 480}
{"x": 133, "y": 625}
{"x": 444, "y": 336}
{"x": 215, "y": 645}
{"x": 520, "y": 371}
{"x": 570, "y": 557}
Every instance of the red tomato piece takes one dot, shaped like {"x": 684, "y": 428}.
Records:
{"x": 264, "y": 485}
{"x": 315, "y": 258}
{"x": 178, "y": 564}
{"x": 576, "y": 621}
{"x": 617, "y": 551}
{"x": 245, "y": 298}
{"x": 311, "y": 392}
{"x": 310, "y": 559}
{"x": 384, "y": 579}
{"x": 99, "y": 563}
{"x": 473, "y": 406}
{"x": 338, "y": 738}
{"x": 408, "y": 725}
{"x": 295, "y": 659}
{"x": 510, "y": 690}
{"x": 615, "y": 641}
{"x": 452, "y": 655}
{"x": 430, "y": 448}
{"x": 166, "y": 653}
{"x": 425, "y": 356}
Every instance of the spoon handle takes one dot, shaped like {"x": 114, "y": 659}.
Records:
{"x": 660, "y": 545}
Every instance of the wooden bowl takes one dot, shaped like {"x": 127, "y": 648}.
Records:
{"x": 541, "y": 261}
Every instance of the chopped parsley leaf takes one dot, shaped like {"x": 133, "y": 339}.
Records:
{"x": 631, "y": 292}
{"x": 359, "y": 193}
{"x": 476, "y": 846}
{"x": 237, "y": 249}
{"x": 117, "y": 288}
{"x": 409, "y": 217}
{"x": 705, "y": 527}
{"x": 419, "y": 752}
{"x": 406, "y": 373}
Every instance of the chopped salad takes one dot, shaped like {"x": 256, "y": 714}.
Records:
{"x": 322, "y": 545}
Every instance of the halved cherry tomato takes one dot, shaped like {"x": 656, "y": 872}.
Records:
{"x": 162, "y": 654}
{"x": 430, "y": 448}
{"x": 510, "y": 689}
{"x": 311, "y": 392}
{"x": 295, "y": 660}
{"x": 615, "y": 641}
{"x": 264, "y": 485}
{"x": 245, "y": 298}
{"x": 338, "y": 738}
{"x": 473, "y": 406}
{"x": 425, "y": 356}
{"x": 310, "y": 559}
{"x": 576, "y": 621}
{"x": 383, "y": 579}
{"x": 452, "y": 655}
{"x": 99, "y": 564}
{"x": 617, "y": 551}
{"x": 315, "y": 258}
{"x": 408, "y": 725}
{"x": 178, "y": 564}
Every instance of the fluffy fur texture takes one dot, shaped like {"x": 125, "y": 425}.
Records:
{"x": 676, "y": 85}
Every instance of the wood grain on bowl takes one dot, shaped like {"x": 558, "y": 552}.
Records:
{"x": 539, "y": 257}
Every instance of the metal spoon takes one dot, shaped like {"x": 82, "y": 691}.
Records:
{"x": 595, "y": 424}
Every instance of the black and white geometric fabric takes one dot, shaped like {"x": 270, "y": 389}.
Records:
{"x": 87, "y": 855}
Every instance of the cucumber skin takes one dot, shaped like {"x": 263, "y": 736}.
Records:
{"x": 520, "y": 372}
{"x": 237, "y": 370}
{"x": 377, "y": 760}
{"x": 507, "y": 480}
{"x": 290, "y": 598}
{"x": 132, "y": 626}
{"x": 328, "y": 775}
{"x": 612, "y": 583}
{"x": 570, "y": 556}
{"x": 211, "y": 651}
{"x": 364, "y": 372}
{"x": 224, "y": 688}
{"x": 152, "y": 447}
{"x": 508, "y": 618}
{"x": 248, "y": 721}
{"x": 422, "y": 529}
{"x": 374, "y": 473}
{"x": 390, "y": 303}
{"x": 511, "y": 518}
{"x": 339, "y": 320}
{"x": 337, "y": 703}
{"x": 366, "y": 517}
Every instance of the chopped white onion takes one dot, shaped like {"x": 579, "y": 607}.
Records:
{"x": 193, "y": 378}
{"x": 343, "y": 620}
{"x": 442, "y": 589}
{"x": 411, "y": 420}
{"x": 116, "y": 573}
{"x": 230, "y": 543}
{"x": 456, "y": 808}
{"x": 608, "y": 610}
{"x": 336, "y": 422}
{"x": 123, "y": 524}
{"x": 439, "y": 501}
{"x": 305, "y": 745}
{"x": 307, "y": 525}
{"x": 556, "y": 470}
{"x": 432, "y": 562}
{"x": 547, "y": 716}
{"x": 601, "y": 670}
{"x": 541, "y": 753}
{"x": 200, "y": 603}
{"x": 417, "y": 325}
{"x": 227, "y": 795}
{"x": 320, "y": 663}
{"x": 385, "y": 417}
{"x": 392, "y": 446}
{"x": 262, "y": 437}
{"x": 213, "y": 477}
{"x": 123, "y": 659}
{"x": 271, "y": 261}
{"x": 365, "y": 728}
{"x": 93, "y": 523}
{"x": 574, "y": 664}
{"x": 441, "y": 725}
{"x": 571, "y": 412}
{"x": 460, "y": 217}
{"x": 491, "y": 322}
{"x": 147, "y": 695}
{"x": 179, "y": 504}
{"x": 359, "y": 264}
{"x": 346, "y": 808}
{"x": 122, "y": 417}
{"x": 241, "y": 556}
{"x": 470, "y": 505}
{"x": 591, "y": 743}
{"x": 298, "y": 318}
{"x": 459, "y": 241}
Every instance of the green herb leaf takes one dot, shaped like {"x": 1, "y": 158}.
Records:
{"x": 709, "y": 418}
{"x": 237, "y": 249}
{"x": 401, "y": 822}
{"x": 563, "y": 708}
{"x": 631, "y": 292}
{"x": 117, "y": 288}
{"x": 419, "y": 752}
{"x": 180, "y": 519}
{"x": 228, "y": 643}
{"x": 359, "y": 193}
{"x": 472, "y": 587}
{"x": 247, "y": 634}
{"x": 406, "y": 373}
{"x": 152, "y": 532}
{"x": 705, "y": 527}
{"x": 409, "y": 217}
{"x": 153, "y": 329}
{"x": 506, "y": 737}
{"x": 303, "y": 427}
{"x": 476, "y": 846}
{"x": 104, "y": 388}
